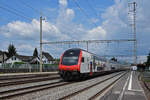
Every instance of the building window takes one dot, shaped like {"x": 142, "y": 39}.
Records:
{"x": 82, "y": 60}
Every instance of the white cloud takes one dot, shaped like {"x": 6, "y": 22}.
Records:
{"x": 31, "y": 30}
{"x": 114, "y": 25}
{"x": 96, "y": 33}
{"x": 70, "y": 13}
{"x": 115, "y": 18}
{"x": 63, "y": 2}
{"x": 63, "y": 29}
{"x": 141, "y": 59}
{"x": 93, "y": 20}
{"x": 25, "y": 47}
{"x": 115, "y": 22}
{"x": 20, "y": 28}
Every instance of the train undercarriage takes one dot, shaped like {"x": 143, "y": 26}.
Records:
{"x": 77, "y": 76}
{"x": 73, "y": 75}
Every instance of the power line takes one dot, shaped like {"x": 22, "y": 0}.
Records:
{"x": 15, "y": 13}
{"x": 116, "y": 55}
{"x": 16, "y": 10}
{"x": 4, "y": 19}
{"x": 34, "y": 9}
{"x": 12, "y": 8}
{"x": 88, "y": 2}
{"x": 29, "y": 6}
{"x": 89, "y": 41}
{"x": 82, "y": 10}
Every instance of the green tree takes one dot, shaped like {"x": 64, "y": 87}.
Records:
{"x": 35, "y": 53}
{"x": 148, "y": 60}
{"x": 114, "y": 59}
{"x": 11, "y": 50}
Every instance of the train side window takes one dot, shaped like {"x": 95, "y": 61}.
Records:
{"x": 82, "y": 60}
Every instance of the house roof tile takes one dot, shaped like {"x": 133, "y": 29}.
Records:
{"x": 48, "y": 56}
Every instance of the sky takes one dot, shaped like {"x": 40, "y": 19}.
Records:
{"x": 74, "y": 20}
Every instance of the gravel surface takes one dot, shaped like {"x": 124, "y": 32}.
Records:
{"x": 2, "y": 89}
{"x": 33, "y": 73}
{"x": 146, "y": 76}
{"x": 56, "y": 93}
{"x": 111, "y": 94}
{"x": 146, "y": 91}
{"x": 94, "y": 90}
{"x": 26, "y": 79}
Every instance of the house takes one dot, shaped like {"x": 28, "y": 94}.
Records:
{"x": 3, "y": 56}
{"x": 47, "y": 58}
{"x": 19, "y": 58}
{"x": 35, "y": 60}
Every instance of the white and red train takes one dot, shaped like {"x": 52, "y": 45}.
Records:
{"x": 77, "y": 63}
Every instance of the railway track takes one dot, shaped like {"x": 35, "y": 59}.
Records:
{"x": 76, "y": 94}
{"x": 21, "y": 91}
{"x": 17, "y": 86}
{"x": 146, "y": 86}
{"x": 27, "y": 79}
{"x": 20, "y": 76}
{"x": 61, "y": 86}
{"x": 144, "y": 83}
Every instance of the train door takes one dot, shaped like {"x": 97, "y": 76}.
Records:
{"x": 91, "y": 65}
{"x": 94, "y": 63}
{"x": 84, "y": 63}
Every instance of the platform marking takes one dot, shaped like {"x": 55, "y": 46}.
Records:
{"x": 126, "y": 93}
{"x": 130, "y": 82}
{"x": 121, "y": 95}
{"x": 135, "y": 90}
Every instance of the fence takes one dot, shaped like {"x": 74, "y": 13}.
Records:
{"x": 15, "y": 68}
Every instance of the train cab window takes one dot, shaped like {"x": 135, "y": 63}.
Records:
{"x": 82, "y": 60}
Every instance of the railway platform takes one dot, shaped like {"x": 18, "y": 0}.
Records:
{"x": 127, "y": 88}
{"x": 30, "y": 73}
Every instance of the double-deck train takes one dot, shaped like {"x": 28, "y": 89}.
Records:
{"x": 77, "y": 63}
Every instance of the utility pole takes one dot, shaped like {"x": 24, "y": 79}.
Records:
{"x": 87, "y": 45}
{"x": 3, "y": 59}
{"x": 41, "y": 62}
{"x": 134, "y": 26}
{"x": 132, "y": 11}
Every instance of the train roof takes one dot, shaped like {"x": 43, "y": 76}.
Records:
{"x": 97, "y": 56}
{"x": 74, "y": 49}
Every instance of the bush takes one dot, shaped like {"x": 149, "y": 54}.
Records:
{"x": 19, "y": 63}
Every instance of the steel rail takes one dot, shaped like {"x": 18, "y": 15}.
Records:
{"x": 24, "y": 76}
{"x": 30, "y": 80}
{"x": 86, "y": 88}
{"x": 23, "y": 91}
{"x": 100, "y": 92}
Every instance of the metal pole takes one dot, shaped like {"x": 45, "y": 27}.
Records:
{"x": 87, "y": 45}
{"x": 41, "y": 44}
{"x": 134, "y": 26}
{"x": 3, "y": 59}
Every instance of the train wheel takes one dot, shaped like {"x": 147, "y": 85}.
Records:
{"x": 76, "y": 77}
{"x": 70, "y": 76}
{"x": 64, "y": 76}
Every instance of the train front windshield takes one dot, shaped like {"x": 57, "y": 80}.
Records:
{"x": 71, "y": 57}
